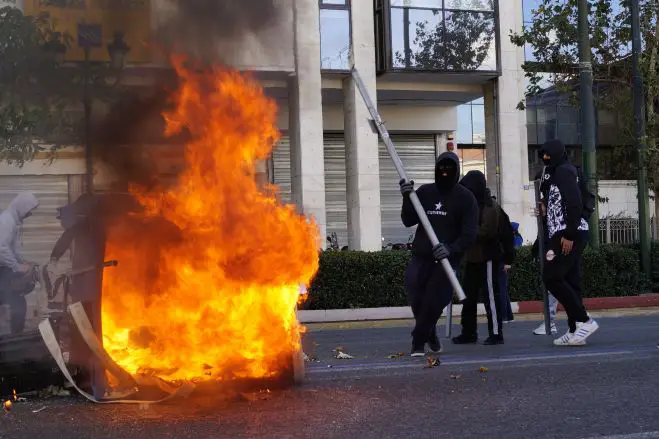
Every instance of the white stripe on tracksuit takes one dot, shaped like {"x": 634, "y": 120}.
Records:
{"x": 490, "y": 293}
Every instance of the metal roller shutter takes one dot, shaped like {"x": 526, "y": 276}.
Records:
{"x": 42, "y": 229}
{"x": 335, "y": 181}
{"x": 417, "y": 152}
{"x": 281, "y": 168}
{"x": 335, "y": 187}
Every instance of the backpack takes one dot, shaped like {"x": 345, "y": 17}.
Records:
{"x": 588, "y": 199}
{"x": 506, "y": 236}
{"x": 518, "y": 238}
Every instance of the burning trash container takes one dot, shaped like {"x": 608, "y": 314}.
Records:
{"x": 79, "y": 333}
{"x": 85, "y": 222}
{"x": 209, "y": 264}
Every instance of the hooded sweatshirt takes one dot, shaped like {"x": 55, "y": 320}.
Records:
{"x": 451, "y": 209}
{"x": 10, "y": 221}
{"x": 487, "y": 246}
{"x": 561, "y": 194}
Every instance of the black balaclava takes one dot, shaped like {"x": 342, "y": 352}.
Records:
{"x": 446, "y": 171}
{"x": 556, "y": 151}
{"x": 475, "y": 182}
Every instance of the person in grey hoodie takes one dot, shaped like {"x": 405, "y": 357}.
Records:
{"x": 16, "y": 274}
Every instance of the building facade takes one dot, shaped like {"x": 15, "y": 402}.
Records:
{"x": 416, "y": 57}
{"x": 423, "y": 60}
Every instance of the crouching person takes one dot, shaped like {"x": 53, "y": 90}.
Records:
{"x": 453, "y": 215}
{"x": 16, "y": 274}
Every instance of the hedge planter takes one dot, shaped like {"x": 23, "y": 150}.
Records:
{"x": 373, "y": 280}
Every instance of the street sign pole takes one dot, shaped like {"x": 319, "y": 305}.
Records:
{"x": 640, "y": 142}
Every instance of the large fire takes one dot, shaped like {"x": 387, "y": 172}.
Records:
{"x": 209, "y": 273}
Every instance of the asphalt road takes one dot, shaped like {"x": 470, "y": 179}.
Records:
{"x": 529, "y": 390}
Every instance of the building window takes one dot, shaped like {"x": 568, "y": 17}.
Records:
{"x": 472, "y": 158}
{"x": 528, "y": 8}
{"x": 440, "y": 35}
{"x": 335, "y": 35}
{"x": 471, "y": 123}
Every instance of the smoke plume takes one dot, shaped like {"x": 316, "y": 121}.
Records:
{"x": 226, "y": 18}
{"x": 208, "y": 31}
{"x": 211, "y": 30}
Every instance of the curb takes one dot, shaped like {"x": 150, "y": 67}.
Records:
{"x": 526, "y": 307}
{"x": 599, "y": 303}
{"x": 361, "y": 314}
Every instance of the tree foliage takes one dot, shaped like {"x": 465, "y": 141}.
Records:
{"x": 455, "y": 40}
{"x": 40, "y": 100}
{"x": 32, "y": 110}
{"x": 552, "y": 37}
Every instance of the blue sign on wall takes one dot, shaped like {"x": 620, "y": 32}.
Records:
{"x": 90, "y": 35}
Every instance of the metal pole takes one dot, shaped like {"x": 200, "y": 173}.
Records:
{"x": 423, "y": 218}
{"x": 639, "y": 141}
{"x": 449, "y": 320}
{"x": 541, "y": 253}
{"x": 588, "y": 125}
{"x": 86, "y": 98}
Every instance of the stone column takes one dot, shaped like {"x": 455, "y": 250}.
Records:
{"x": 306, "y": 118}
{"x": 501, "y": 99}
{"x": 362, "y": 162}
{"x": 492, "y": 144}
{"x": 440, "y": 144}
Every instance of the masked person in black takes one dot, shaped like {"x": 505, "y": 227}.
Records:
{"x": 482, "y": 269}
{"x": 453, "y": 214}
{"x": 564, "y": 209}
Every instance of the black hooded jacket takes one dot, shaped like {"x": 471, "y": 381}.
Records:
{"x": 561, "y": 194}
{"x": 487, "y": 246}
{"x": 451, "y": 209}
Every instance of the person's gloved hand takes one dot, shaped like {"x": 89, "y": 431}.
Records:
{"x": 406, "y": 187}
{"x": 440, "y": 251}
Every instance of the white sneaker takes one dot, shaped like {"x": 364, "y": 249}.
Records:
{"x": 540, "y": 330}
{"x": 584, "y": 330}
{"x": 567, "y": 339}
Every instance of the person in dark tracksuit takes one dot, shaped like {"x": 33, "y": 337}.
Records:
{"x": 564, "y": 210}
{"x": 453, "y": 214}
{"x": 482, "y": 266}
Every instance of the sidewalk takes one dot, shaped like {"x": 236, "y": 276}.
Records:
{"x": 526, "y": 307}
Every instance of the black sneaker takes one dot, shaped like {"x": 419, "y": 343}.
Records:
{"x": 434, "y": 345}
{"x": 417, "y": 350}
{"x": 493, "y": 339}
{"x": 465, "y": 339}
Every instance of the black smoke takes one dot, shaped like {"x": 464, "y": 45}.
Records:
{"x": 204, "y": 30}
{"x": 226, "y": 18}
{"x": 210, "y": 30}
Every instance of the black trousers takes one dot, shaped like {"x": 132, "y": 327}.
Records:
{"x": 13, "y": 288}
{"x": 562, "y": 276}
{"x": 482, "y": 276}
{"x": 428, "y": 291}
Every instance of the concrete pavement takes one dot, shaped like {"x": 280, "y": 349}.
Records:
{"x": 530, "y": 390}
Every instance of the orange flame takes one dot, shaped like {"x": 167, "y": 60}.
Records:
{"x": 213, "y": 294}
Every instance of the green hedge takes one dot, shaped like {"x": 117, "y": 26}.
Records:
{"x": 370, "y": 280}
